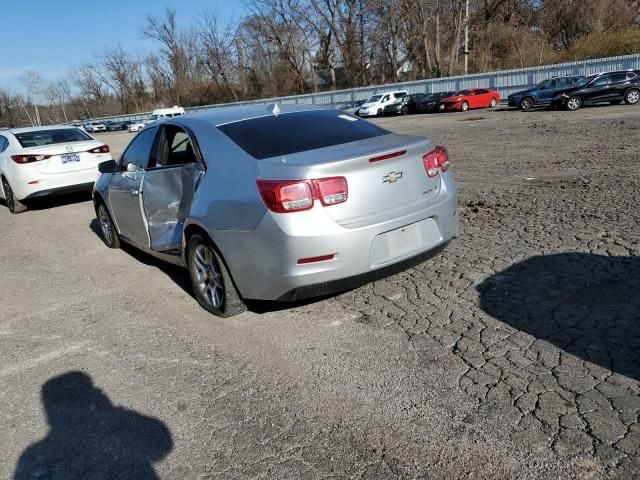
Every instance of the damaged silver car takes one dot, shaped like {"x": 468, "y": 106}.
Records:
{"x": 277, "y": 203}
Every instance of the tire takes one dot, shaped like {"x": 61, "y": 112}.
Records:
{"x": 574, "y": 103}
{"x": 405, "y": 110}
{"x": 632, "y": 96}
{"x": 465, "y": 106}
{"x": 527, "y": 103}
{"x": 493, "y": 103}
{"x": 107, "y": 228}
{"x": 380, "y": 113}
{"x": 210, "y": 279}
{"x": 15, "y": 205}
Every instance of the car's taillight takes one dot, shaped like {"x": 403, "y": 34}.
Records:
{"x": 285, "y": 196}
{"x": 332, "y": 190}
{"x": 436, "y": 160}
{"x": 29, "y": 158}
{"x": 100, "y": 149}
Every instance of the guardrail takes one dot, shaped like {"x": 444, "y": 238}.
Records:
{"x": 505, "y": 81}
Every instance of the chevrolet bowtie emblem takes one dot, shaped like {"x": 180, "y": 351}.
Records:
{"x": 392, "y": 177}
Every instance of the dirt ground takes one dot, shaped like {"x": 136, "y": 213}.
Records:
{"x": 513, "y": 354}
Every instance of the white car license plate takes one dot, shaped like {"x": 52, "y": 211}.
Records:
{"x": 70, "y": 158}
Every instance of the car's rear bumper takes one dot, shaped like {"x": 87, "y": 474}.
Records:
{"x": 49, "y": 184}
{"x": 264, "y": 262}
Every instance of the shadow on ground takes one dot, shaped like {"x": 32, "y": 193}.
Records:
{"x": 89, "y": 437}
{"x": 587, "y": 305}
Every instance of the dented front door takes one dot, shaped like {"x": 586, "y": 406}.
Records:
{"x": 167, "y": 197}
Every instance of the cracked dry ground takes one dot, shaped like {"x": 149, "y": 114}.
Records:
{"x": 538, "y": 299}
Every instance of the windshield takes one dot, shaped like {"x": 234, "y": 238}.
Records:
{"x": 270, "y": 136}
{"x": 374, "y": 99}
{"x": 51, "y": 137}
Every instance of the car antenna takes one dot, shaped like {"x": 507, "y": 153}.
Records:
{"x": 274, "y": 109}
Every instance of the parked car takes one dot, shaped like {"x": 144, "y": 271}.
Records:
{"x": 542, "y": 94}
{"x": 95, "y": 127}
{"x": 351, "y": 107}
{"x": 160, "y": 113}
{"x": 404, "y": 105}
{"x": 278, "y": 203}
{"x": 125, "y": 124}
{"x": 113, "y": 126}
{"x": 136, "y": 126}
{"x": 471, "y": 98}
{"x": 432, "y": 102}
{"x": 41, "y": 161}
{"x": 374, "y": 106}
{"x": 611, "y": 87}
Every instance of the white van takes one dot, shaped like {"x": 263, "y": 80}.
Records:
{"x": 159, "y": 113}
{"x": 375, "y": 105}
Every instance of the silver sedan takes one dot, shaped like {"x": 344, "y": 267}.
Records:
{"x": 277, "y": 203}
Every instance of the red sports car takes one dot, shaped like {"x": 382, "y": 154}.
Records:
{"x": 471, "y": 98}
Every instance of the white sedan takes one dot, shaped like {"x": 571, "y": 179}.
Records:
{"x": 41, "y": 161}
{"x": 137, "y": 126}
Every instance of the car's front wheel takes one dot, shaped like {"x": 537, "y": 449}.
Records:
{"x": 405, "y": 110}
{"x": 464, "y": 106}
{"x": 15, "y": 206}
{"x": 493, "y": 103}
{"x": 632, "y": 97}
{"x": 107, "y": 228}
{"x": 526, "y": 104}
{"x": 210, "y": 279}
{"x": 574, "y": 103}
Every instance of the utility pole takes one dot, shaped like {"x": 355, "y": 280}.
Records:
{"x": 466, "y": 39}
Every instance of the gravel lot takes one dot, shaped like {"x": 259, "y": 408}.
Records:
{"x": 514, "y": 354}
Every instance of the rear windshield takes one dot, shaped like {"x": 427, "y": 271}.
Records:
{"x": 51, "y": 137}
{"x": 290, "y": 133}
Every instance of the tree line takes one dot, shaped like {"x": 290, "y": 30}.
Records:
{"x": 288, "y": 47}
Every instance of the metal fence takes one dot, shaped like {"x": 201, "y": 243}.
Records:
{"x": 505, "y": 81}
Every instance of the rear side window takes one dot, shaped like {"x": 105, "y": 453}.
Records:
{"x": 51, "y": 137}
{"x": 618, "y": 77}
{"x": 290, "y": 133}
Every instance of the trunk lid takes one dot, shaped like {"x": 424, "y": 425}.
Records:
{"x": 69, "y": 157}
{"x": 378, "y": 190}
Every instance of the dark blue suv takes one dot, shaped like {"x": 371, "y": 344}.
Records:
{"x": 542, "y": 94}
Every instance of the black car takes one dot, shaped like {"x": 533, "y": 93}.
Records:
{"x": 431, "y": 102}
{"x": 611, "y": 87}
{"x": 113, "y": 126}
{"x": 404, "y": 105}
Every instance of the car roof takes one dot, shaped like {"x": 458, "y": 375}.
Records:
{"x": 223, "y": 115}
{"x": 39, "y": 129}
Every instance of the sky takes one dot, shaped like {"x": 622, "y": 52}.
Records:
{"x": 52, "y": 36}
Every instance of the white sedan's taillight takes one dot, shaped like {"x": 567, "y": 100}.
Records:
{"x": 285, "y": 196}
{"x": 100, "y": 149}
{"x": 29, "y": 158}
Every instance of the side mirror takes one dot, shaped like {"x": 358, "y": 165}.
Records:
{"x": 107, "y": 167}
{"x": 132, "y": 168}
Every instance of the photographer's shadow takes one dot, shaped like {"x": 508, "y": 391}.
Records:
{"x": 90, "y": 438}
{"x": 587, "y": 305}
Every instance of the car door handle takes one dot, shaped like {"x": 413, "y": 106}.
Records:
{"x": 134, "y": 193}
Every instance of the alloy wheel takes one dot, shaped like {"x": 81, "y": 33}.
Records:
{"x": 207, "y": 275}
{"x": 633, "y": 97}
{"x": 105, "y": 224}
{"x": 574, "y": 103}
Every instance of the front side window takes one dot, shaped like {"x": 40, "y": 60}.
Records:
{"x": 139, "y": 149}
{"x": 51, "y": 136}
{"x": 175, "y": 148}
{"x": 270, "y": 136}
{"x": 600, "y": 81}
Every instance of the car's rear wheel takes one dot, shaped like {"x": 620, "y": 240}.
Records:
{"x": 632, "y": 97}
{"x": 465, "y": 106}
{"x": 210, "y": 279}
{"x": 107, "y": 228}
{"x": 15, "y": 206}
{"x": 574, "y": 103}
{"x": 493, "y": 103}
{"x": 526, "y": 104}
